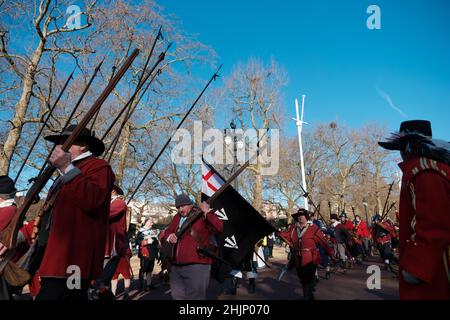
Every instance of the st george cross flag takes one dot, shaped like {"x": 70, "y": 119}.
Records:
{"x": 243, "y": 224}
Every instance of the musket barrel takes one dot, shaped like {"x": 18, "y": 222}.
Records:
{"x": 9, "y": 235}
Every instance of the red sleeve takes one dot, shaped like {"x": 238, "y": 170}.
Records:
{"x": 286, "y": 234}
{"x": 90, "y": 189}
{"x": 6, "y": 214}
{"x": 172, "y": 226}
{"x": 27, "y": 230}
{"x": 117, "y": 208}
{"x": 432, "y": 193}
{"x": 322, "y": 241}
{"x": 215, "y": 225}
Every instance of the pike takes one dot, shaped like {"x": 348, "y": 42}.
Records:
{"x": 8, "y": 236}
{"x": 132, "y": 107}
{"x": 387, "y": 212}
{"x": 44, "y": 125}
{"x": 72, "y": 114}
{"x": 161, "y": 57}
{"x": 214, "y": 77}
{"x": 129, "y": 105}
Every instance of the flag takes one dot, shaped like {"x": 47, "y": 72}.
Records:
{"x": 243, "y": 224}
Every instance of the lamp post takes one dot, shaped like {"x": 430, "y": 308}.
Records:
{"x": 365, "y": 204}
{"x": 231, "y": 138}
{"x": 299, "y": 122}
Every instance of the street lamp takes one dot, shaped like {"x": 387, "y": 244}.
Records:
{"x": 365, "y": 204}
{"x": 231, "y": 138}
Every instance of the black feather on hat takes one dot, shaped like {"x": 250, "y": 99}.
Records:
{"x": 415, "y": 137}
{"x": 301, "y": 212}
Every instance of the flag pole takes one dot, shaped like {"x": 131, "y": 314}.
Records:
{"x": 299, "y": 122}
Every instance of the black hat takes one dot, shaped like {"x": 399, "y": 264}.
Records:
{"x": 419, "y": 127}
{"x": 301, "y": 212}
{"x": 343, "y": 214}
{"x": 117, "y": 188}
{"x": 182, "y": 200}
{"x": 6, "y": 185}
{"x": 334, "y": 216}
{"x": 96, "y": 146}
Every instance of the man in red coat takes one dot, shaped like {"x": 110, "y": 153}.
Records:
{"x": 77, "y": 224}
{"x": 190, "y": 272}
{"x": 117, "y": 240}
{"x": 363, "y": 235}
{"x": 304, "y": 238}
{"x": 7, "y": 212}
{"x": 424, "y": 212}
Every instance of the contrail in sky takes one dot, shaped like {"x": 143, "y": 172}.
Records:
{"x": 386, "y": 97}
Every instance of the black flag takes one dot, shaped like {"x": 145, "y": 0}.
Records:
{"x": 243, "y": 224}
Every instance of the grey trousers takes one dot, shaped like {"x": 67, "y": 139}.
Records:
{"x": 189, "y": 282}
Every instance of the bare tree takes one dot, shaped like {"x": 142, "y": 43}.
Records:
{"x": 254, "y": 90}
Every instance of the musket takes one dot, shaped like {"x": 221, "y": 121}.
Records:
{"x": 44, "y": 125}
{"x": 353, "y": 211}
{"x": 387, "y": 197}
{"x": 8, "y": 236}
{"x": 329, "y": 207}
{"x": 138, "y": 88}
{"x": 127, "y": 117}
{"x": 387, "y": 212}
{"x": 129, "y": 106}
{"x": 94, "y": 120}
{"x": 72, "y": 114}
{"x": 132, "y": 107}
{"x": 214, "y": 77}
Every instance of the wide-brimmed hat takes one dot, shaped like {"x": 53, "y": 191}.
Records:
{"x": 408, "y": 130}
{"x": 96, "y": 146}
{"x": 334, "y": 216}
{"x": 6, "y": 185}
{"x": 301, "y": 212}
{"x": 117, "y": 188}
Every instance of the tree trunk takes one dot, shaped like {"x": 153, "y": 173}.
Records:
{"x": 21, "y": 108}
{"x": 257, "y": 189}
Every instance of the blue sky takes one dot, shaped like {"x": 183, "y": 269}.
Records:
{"x": 347, "y": 71}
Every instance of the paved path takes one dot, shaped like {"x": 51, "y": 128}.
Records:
{"x": 348, "y": 286}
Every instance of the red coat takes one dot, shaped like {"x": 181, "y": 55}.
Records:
{"x": 186, "y": 250}
{"x": 425, "y": 228}
{"x": 117, "y": 232}
{"x": 311, "y": 238}
{"x": 361, "y": 230}
{"x": 6, "y": 214}
{"x": 388, "y": 232}
{"x": 79, "y": 222}
{"x": 347, "y": 225}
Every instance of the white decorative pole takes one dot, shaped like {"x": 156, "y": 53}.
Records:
{"x": 300, "y": 123}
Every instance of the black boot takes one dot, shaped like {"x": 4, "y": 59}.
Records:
{"x": 251, "y": 285}
{"x": 308, "y": 291}
{"x": 234, "y": 285}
